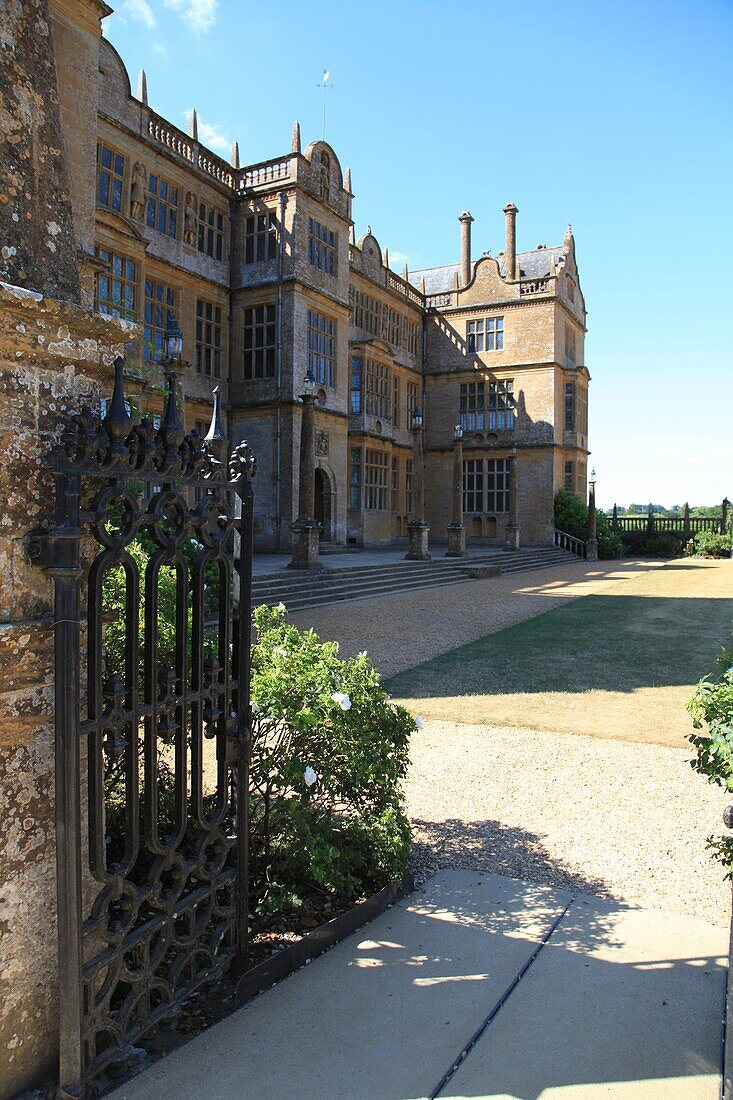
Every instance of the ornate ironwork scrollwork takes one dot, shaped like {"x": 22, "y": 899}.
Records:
{"x": 167, "y": 704}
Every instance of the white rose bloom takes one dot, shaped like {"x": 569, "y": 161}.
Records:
{"x": 418, "y": 723}
{"x": 342, "y": 699}
{"x": 255, "y": 707}
{"x": 278, "y": 651}
{"x": 281, "y": 607}
{"x": 310, "y": 776}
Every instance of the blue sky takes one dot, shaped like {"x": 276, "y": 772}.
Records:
{"x": 613, "y": 116}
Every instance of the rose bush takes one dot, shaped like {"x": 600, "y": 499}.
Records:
{"x": 329, "y": 753}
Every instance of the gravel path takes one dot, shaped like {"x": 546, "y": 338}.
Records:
{"x": 614, "y": 818}
{"x": 403, "y": 629}
{"x": 605, "y": 817}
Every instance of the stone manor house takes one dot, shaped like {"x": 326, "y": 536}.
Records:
{"x": 262, "y": 269}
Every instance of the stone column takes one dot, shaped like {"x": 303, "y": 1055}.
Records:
{"x": 592, "y": 543}
{"x": 465, "y": 219}
{"x": 456, "y": 529}
{"x": 512, "y": 529}
{"x": 614, "y": 520}
{"x": 306, "y": 529}
{"x": 650, "y": 520}
{"x": 510, "y": 242}
{"x": 417, "y": 528}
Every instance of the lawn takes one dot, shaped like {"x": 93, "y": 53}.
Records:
{"x": 619, "y": 665}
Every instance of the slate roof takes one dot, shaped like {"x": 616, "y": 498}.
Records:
{"x": 532, "y": 265}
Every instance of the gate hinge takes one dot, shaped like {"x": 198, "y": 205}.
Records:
{"x": 57, "y": 551}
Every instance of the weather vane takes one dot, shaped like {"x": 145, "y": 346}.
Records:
{"x": 324, "y": 84}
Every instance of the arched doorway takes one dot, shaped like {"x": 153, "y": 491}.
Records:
{"x": 322, "y": 504}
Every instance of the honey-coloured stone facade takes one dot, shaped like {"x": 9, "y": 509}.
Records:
{"x": 286, "y": 252}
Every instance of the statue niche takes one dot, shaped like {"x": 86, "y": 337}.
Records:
{"x": 190, "y": 221}
{"x": 138, "y": 190}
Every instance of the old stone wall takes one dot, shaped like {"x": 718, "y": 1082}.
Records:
{"x": 53, "y": 359}
{"x": 37, "y": 242}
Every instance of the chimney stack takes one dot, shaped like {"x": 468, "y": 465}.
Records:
{"x": 510, "y": 247}
{"x": 465, "y": 219}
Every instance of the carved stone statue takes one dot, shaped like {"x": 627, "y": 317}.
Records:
{"x": 138, "y": 190}
{"x": 190, "y": 221}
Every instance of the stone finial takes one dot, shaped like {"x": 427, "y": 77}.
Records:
{"x": 405, "y": 273}
{"x": 422, "y": 284}
{"x": 352, "y": 234}
{"x": 456, "y": 281}
{"x": 295, "y": 141}
{"x": 142, "y": 87}
{"x": 568, "y": 236}
{"x": 193, "y": 125}
{"x": 386, "y": 257}
{"x": 369, "y": 231}
{"x": 347, "y": 180}
{"x": 234, "y": 159}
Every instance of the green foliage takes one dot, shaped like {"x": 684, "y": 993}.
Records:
{"x": 344, "y": 834}
{"x": 710, "y": 544}
{"x": 712, "y": 706}
{"x": 659, "y": 544}
{"x": 571, "y": 516}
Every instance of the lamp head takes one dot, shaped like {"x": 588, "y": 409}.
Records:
{"x": 173, "y": 338}
{"x": 310, "y": 383}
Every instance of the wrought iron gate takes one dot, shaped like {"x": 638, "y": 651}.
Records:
{"x": 155, "y": 903}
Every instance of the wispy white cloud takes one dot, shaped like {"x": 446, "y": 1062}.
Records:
{"x": 199, "y": 14}
{"x": 211, "y": 135}
{"x": 399, "y": 258}
{"x": 160, "y": 48}
{"x": 141, "y": 11}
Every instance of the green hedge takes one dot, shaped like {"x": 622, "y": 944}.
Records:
{"x": 571, "y": 516}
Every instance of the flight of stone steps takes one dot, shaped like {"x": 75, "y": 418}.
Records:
{"x": 299, "y": 590}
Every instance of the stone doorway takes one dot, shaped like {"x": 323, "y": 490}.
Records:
{"x": 322, "y": 500}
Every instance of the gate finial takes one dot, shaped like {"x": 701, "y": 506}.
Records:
{"x": 118, "y": 420}
{"x": 216, "y": 439}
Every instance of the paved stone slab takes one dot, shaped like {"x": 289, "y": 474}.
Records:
{"x": 620, "y": 1003}
{"x": 382, "y": 1015}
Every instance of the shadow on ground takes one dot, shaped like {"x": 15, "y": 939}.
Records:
{"x": 607, "y": 643}
{"x": 490, "y": 846}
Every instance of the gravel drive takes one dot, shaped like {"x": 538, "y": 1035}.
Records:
{"x": 613, "y": 818}
{"x": 623, "y": 820}
{"x": 403, "y": 629}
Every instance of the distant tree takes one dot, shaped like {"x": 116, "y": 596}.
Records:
{"x": 705, "y": 510}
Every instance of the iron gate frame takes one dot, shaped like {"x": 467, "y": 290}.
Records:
{"x": 116, "y": 453}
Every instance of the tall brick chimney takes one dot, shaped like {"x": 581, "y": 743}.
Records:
{"x": 465, "y": 219}
{"x": 510, "y": 247}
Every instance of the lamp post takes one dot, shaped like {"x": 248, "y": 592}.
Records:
{"x": 306, "y": 528}
{"x": 512, "y": 529}
{"x": 591, "y": 546}
{"x": 456, "y": 528}
{"x": 417, "y": 528}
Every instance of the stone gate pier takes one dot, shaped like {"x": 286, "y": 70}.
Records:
{"x": 55, "y": 356}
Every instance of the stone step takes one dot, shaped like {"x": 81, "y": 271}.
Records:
{"x": 360, "y": 592}
{"x": 301, "y": 591}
